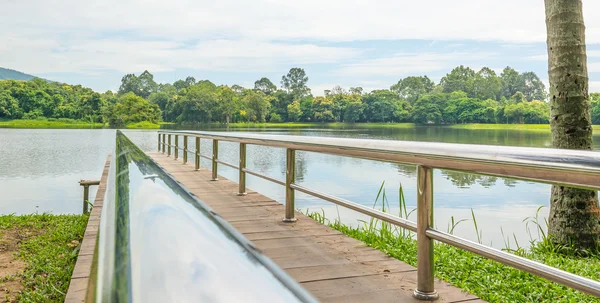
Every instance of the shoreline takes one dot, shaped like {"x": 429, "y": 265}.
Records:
{"x": 78, "y": 124}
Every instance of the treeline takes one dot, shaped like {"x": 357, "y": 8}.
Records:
{"x": 462, "y": 96}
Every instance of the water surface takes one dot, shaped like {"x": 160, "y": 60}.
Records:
{"x": 40, "y": 168}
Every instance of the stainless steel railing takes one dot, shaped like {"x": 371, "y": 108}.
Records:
{"x": 565, "y": 167}
{"x": 158, "y": 243}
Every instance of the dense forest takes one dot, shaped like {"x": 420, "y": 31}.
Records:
{"x": 462, "y": 96}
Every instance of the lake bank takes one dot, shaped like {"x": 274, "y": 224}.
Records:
{"x": 487, "y": 279}
{"x": 39, "y": 252}
{"x": 79, "y": 124}
{"x": 71, "y": 124}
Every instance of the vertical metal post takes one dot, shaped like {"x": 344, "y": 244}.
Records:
{"x": 242, "y": 178}
{"x": 185, "y": 151}
{"x": 176, "y": 149}
{"x": 169, "y": 146}
{"x": 86, "y": 198}
{"x": 290, "y": 177}
{"x": 215, "y": 157}
{"x": 163, "y": 143}
{"x": 197, "y": 154}
{"x": 425, "y": 278}
{"x": 158, "y": 142}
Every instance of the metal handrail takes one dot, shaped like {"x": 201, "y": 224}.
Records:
{"x": 159, "y": 243}
{"x": 574, "y": 168}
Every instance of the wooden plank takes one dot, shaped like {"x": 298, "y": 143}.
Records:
{"x": 332, "y": 266}
{"x": 78, "y": 286}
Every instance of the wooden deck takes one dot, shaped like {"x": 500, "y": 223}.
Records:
{"x": 330, "y": 265}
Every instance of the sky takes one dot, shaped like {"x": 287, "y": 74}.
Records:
{"x": 371, "y": 44}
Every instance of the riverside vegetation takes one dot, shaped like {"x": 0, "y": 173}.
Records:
{"x": 39, "y": 251}
{"x": 489, "y": 280}
{"x": 462, "y": 96}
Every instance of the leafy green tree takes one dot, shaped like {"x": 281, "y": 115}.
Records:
{"x": 131, "y": 108}
{"x": 198, "y": 105}
{"x": 411, "y": 88}
{"x": 295, "y": 83}
{"x": 294, "y": 111}
{"x": 322, "y": 109}
{"x": 533, "y": 88}
{"x": 9, "y": 106}
{"x": 403, "y": 111}
{"x": 257, "y": 105}
{"x": 512, "y": 82}
{"x": 486, "y": 84}
{"x": 595, "y": 107}
{"x": 265, "y": 85}
{"x": 380, "y": 105}
{"x": 228, "y": 102}
{"x": 430, "y": 109}
{"x": 460, "y": 78}
{"x": 142, "y": 86}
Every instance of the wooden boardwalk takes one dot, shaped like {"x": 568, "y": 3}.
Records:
{"x": 330, "y": 265}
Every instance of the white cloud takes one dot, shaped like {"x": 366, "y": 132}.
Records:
{"x": 334, "y": 20}
{"x": 129, "y": 56}
{"x": 594, "y": 86}
{"x": 91, "y": 37}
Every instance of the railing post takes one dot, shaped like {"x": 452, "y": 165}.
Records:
{"x": 158, "y": 142}
{"x": 176, "y": 149}
{"x": 169, "y": 146}
{"x": 425, "y": 277}
{"x": 215, "y": 157}
{"x": 86, "y": 198}
{"x": 163, "y": 143}
{"x": 197, "y": 154}
{"x": 185, "y": 151}
{"x": 242, "y": 178}
{"x": 290, "y": 178}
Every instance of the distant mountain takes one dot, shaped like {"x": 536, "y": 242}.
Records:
{"x": 9, "y": 74}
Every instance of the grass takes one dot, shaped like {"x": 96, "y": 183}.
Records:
{"x": 46, "y": 246}
{"x": 490, "y": 280}
{"x": 49, "y": 123}
{"x": 143, "y": 125}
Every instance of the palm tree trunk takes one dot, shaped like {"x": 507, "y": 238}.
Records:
{"x": 574, "y": 213}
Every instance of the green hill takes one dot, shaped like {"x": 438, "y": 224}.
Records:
{"x": 9, "y": 74}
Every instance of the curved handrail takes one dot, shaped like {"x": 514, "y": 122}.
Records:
{"x": 159, "y": 243}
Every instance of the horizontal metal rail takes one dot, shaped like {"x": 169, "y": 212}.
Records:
{"x": 227, "y": 164}
{"x": 263, "y": 176}
{"x": 386, "y": 217}
{"x": 573, "y": 168}
{"x": 536, "y": 268}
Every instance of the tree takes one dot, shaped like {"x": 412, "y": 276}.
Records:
{"x": 257, "y": 105}
{"x": 486, "y": 85}
{"x": 295, "y": 83}
{"x": 294, "y": 111}
{"x": 574, "y": 213}
{"x": 533, "y": 88}
{"x": 411, "y": 88}
{"x": 322, "y": 108}
{"x": 228, "y": 102}
{"x": 511, "y": 82}
{"x": 142, "y": 86}
{"x": 459, "y": 79}
{"x": 265, "y": 85}
{"x": 131, "y": 108}
{"x": 380, "y": 105}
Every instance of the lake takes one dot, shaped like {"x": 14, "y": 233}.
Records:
{"x": 40, "y": 170}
